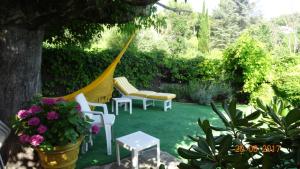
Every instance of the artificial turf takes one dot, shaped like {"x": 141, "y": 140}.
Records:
{"x": 171, "y": 127}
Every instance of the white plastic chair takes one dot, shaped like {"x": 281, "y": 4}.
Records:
{"x": 102, "y": 119}
{"x": 4, "y": 133}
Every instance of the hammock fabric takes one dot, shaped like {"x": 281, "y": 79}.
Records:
{"x": 100, "y": 90}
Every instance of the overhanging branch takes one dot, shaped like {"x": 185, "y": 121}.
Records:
{"x": 173, "y": 9}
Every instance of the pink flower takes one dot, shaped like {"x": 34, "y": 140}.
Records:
{"x": 78, "y": 108}
{"x": 34, "y": 121}
{"x": 42, "y": 129}
{"x": 36, "y": 140}
{"x": 24, "y": 138}
{"x": 49, "y": 101}
{"x": 34, "y": 109}
{"x": 52, "y": 115}
{"x": 95, "y": 129}
{"x": 22, "y": 114}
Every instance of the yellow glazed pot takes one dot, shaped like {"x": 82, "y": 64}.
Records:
{"x": 61, "y": 157}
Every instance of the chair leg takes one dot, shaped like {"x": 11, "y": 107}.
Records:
{"x": 144, "y": 104}
{"x": 1, "y": 161}
{"x": 108, "y": 138}
{"x": 91, "y": 140}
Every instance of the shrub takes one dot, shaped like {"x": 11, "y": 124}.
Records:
{"x": 245, "y": 142}
{"x": 204, "y": 92}
{"x": 181, "y": 90}
{"x": 247, "y": 64}
{"x": 286, "y": 82}
{"x": 265, "y": 92}
{"x": 288, "y": 85}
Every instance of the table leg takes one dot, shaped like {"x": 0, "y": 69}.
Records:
{"x": 117, "y": 108}
{"x": 125, "y": 106}
{"x": 130, "y": 107}
{"x": 112, "y": 105}
{"x": 135, "y": 159}
{"x": 118, "y": 154}
{"x": 158, "y": 154}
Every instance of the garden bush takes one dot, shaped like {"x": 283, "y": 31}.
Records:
{"x": 265, "y": 92}
{"x": 287, "y": 81}
{"x": 206, "y": 91}
{"x": 267, "y": 138}
{"x": 247, "y": 65}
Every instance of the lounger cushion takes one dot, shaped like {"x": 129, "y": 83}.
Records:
{"x": 142, "y": 93}
{"x": 154, "y": 95}
{"x": 124, "y": 86}
{"x": 162, "y": 96}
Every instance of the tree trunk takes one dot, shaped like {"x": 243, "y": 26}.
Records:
{"x": 20, "y": 66}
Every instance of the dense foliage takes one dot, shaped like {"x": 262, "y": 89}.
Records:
{"x": 245, "y": 142}
{"x": 247, "y": 56}
{"x": 247, "y": 64}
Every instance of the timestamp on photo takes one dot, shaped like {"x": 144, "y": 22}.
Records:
{"x": 265, "y": 148}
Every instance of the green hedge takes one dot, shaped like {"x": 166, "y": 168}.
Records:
{"x": 67, "y": 70}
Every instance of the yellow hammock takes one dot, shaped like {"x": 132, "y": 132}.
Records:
{"x": 100, "y": 90}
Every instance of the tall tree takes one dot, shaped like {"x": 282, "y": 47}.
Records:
{"x": 203, "y": 30}
{"x": 229, "y": 20}
{"x": 180, "y": 27}
{"x": 22, "y": 28}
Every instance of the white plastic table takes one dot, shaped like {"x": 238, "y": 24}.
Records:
{"x": 135, "y": 143}
{"x": 121, "y": 100}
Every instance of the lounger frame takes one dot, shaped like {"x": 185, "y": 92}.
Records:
{"x": 167, "y": 103}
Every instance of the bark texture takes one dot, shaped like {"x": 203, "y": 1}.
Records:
{"x": 20, "y": 65}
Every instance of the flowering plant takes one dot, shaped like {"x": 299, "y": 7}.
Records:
{"x": 51, "y": 122}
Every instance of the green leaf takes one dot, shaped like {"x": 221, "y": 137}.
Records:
{"x": 202, "y": 152}
{"x": 232, "y": 109}
{"x": 218, "y": 128}
{"x": 73, "y": 119}
{"x": 220, "y": 114}
{"x": 209, "y": 137}
{"x": 193, "y": 138}
{"x": 186, "y": 166}
{"x": 273, "y": 116}
{"x": 226, "y": 109}
{"x": 208, "y": 165}
{"x": 253, "y": 116}
{"x": 294, "y": 125}
{"x": 204, "y": 146}
{"x": 226, "y": 143}
{"x": 188, "y": 154}
{"x": 293, "y": 116}
{"x": 261, "y": 105}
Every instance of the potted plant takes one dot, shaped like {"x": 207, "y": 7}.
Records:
{"x": 55, "y": 129}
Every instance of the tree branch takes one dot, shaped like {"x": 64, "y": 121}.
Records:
{"x": 173, "y": 9}
{"x": 140, "y": 2}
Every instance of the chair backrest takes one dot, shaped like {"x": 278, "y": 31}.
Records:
{"x": 4, "y": 132}
{"x": 122, "y": 84}
{"x": 81, "y": 100}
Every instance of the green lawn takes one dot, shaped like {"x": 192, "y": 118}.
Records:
{"x": 170, "y": 127}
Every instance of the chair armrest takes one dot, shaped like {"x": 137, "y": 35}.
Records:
{"x": 93, "y": 112}
{"x": 100, "y": 105}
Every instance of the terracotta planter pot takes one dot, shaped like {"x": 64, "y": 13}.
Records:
{"x": 61, "y": 157}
